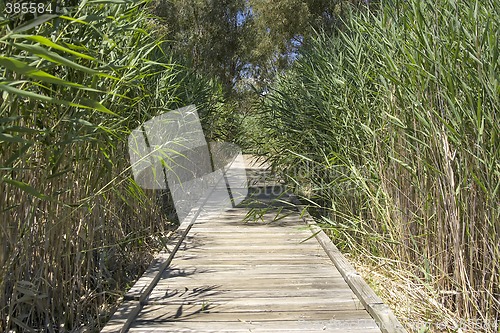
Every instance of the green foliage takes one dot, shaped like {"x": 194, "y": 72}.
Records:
{"x": 280, "y": 28}
{"x": 76, "y": 229}
{"x": 243, "y": 42}
{"x": 391, "y": 126}
{"x": 209, "y": 35}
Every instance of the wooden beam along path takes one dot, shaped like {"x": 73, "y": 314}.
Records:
{"x": 225, "y": 274}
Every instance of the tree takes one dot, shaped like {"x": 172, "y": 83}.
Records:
{"x": 212, "y": 35}
{"x": 241, "y": 41}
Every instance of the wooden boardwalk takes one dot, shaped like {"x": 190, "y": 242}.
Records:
{"x": 224, "y": 274}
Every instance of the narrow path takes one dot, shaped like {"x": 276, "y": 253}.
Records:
{"x": 232, "y": 275}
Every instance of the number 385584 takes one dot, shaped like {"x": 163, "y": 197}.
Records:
{"x": 27, "y": 7}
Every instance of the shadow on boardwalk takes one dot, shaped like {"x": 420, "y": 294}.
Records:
{"x": 234, "y": 272}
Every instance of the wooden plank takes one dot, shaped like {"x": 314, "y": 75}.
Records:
{"x": 239, "y": 248}
{"x": 257, "y": 230}
{"x": 340, "y": 304}
{"x": 261, "y": 283}
{"x": 347, "y": 326}
{"x": 244, "y": 279}
{"x": 254, "y": 330}
{"x": 317, "y": 269}
{"x": 283, "y": 268}
{"x": 196, "y": 313}
{"x": 221, "y": 241}
{"x": 236, "y": 217}
{"x": 255, "y": 249}
{"x": 228, "y": 273}
{"x": 198, "y": 252}
{"x": 182, "y": 294}
{"x": 285, "y": 218}
{"x": 245, "y": 243}
{"x": 287, "y": 234}
{"x": 267, "y": 303}
{"x": 224, "y": 308}
{"x": 236, "y": 214}
{"x": 249, "y": 257}
{"x": 188, "y": 278}
{"x": 263, "y": 247}
{"x": 123, "y": 317}
{"x": 263, "y": 239}
{"x": 249, "y": 261}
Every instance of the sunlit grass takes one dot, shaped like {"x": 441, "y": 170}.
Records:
{"x": 391, "y": 125}
{"x": 76, "y": 229}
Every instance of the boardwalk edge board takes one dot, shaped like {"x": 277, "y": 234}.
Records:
{"x": 381, "y": 313}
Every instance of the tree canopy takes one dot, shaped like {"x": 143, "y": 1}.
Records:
{"x": 243, "y": 42}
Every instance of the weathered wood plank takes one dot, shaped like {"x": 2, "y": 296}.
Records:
{"x": 246, "y": 246}
{"x": 242, "y": 279}
{"x": 341, "y": 304}
{"x": 250, "y": 261}
{"x": 249, "y": 256}
{"x": 257, "y": 230}
{"x": 178, "y": 294}
{"x": 264, "y": 283}
{"x": 205, "y": 266}
{"x": 123, "y": 317}
{"x": 256, "y": 250}
{"x": 258, "y": 268}
{"x": 177, "y": 329}
{"x": 267, "y": 303}
{"x": 355, "y": 325}
{"x": 247, "y": 279}
{"x": 263, "y": 239}
{"x": 196, "y": 313}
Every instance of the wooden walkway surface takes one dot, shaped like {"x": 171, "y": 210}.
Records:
{"x": 231, "y": 275}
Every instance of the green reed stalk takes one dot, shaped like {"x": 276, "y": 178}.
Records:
{"x": 391, "y": 125}
{"x": 76, "y": 229}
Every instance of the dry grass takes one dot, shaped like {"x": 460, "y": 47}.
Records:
{"x": 417, "y": 304}
{"x": 390, "y": 126}
{"x": 76, "y": 229}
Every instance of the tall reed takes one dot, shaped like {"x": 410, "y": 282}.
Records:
{"x": 75, "y": 228}
{"x": 390, "y": 127}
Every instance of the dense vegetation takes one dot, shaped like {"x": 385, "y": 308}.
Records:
{"x": 386, "y": 124}
{"x": 75, "y": 229}
{"x": 244, "y": 42}
{"x": 389, "y": 127}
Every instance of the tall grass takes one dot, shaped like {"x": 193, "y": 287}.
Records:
{"x": 390, "y": 128}
{"x": 75, "y": 229}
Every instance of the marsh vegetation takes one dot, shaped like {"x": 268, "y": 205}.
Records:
{"x": 383, "y": 117}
